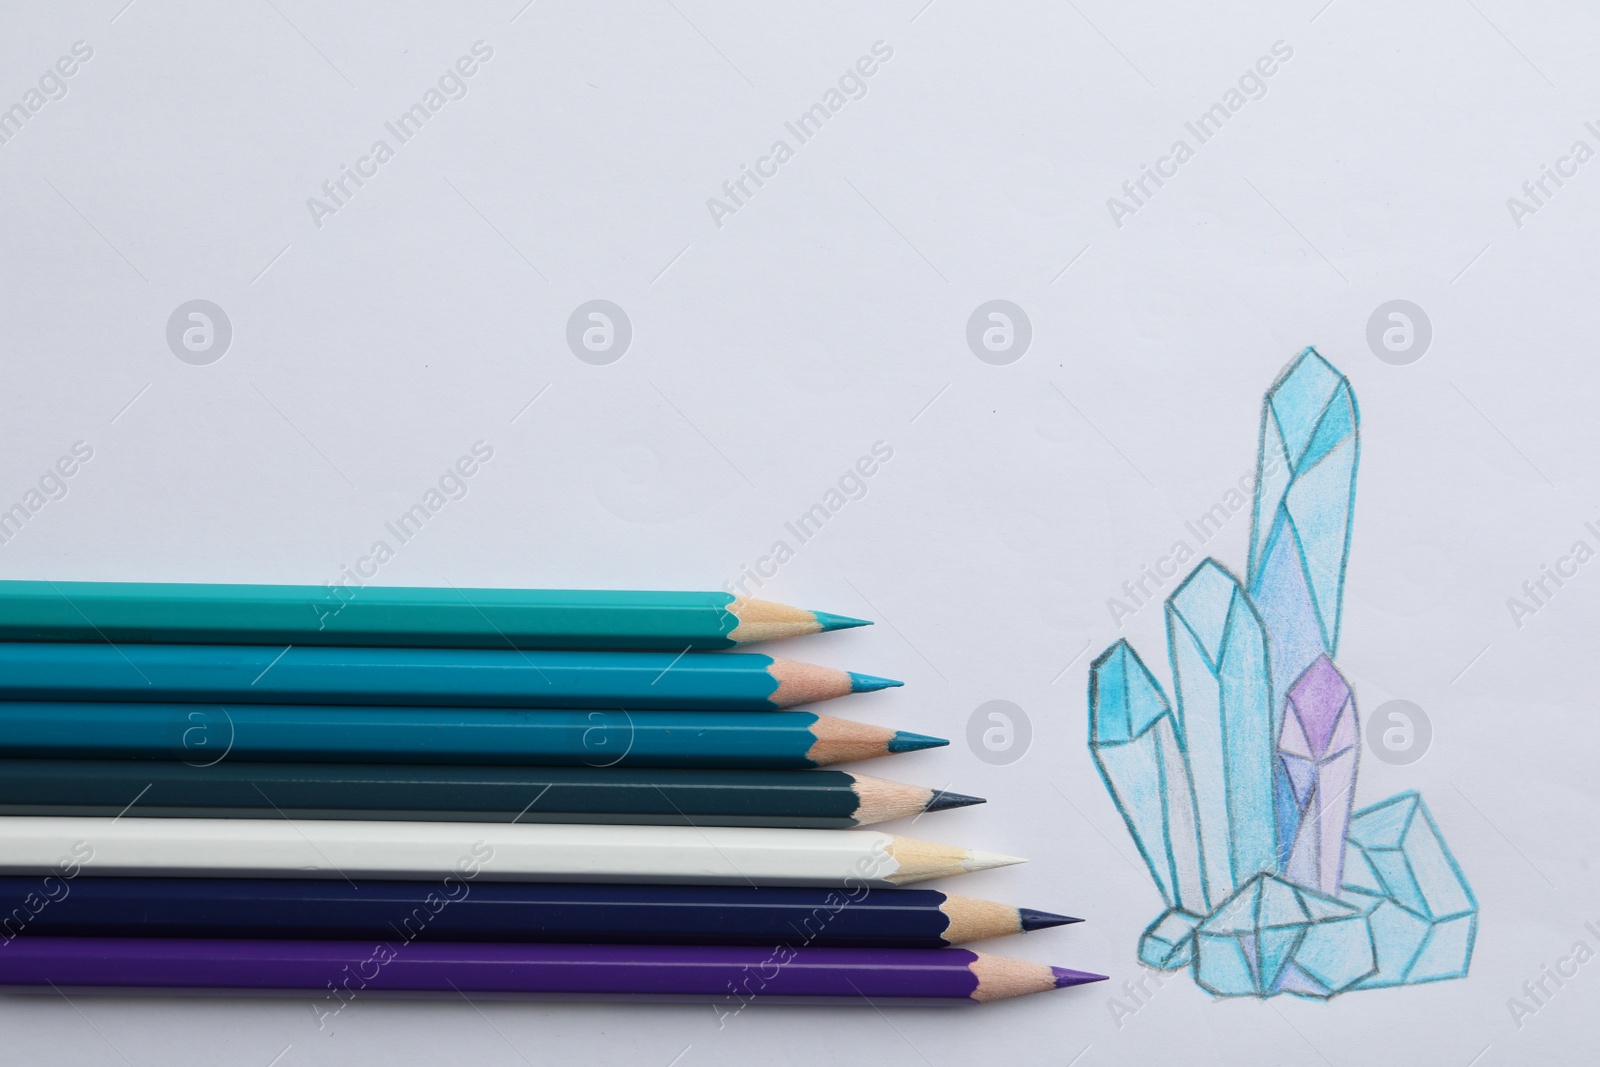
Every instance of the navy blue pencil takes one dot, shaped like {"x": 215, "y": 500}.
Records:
{"x": 459, "y": 909}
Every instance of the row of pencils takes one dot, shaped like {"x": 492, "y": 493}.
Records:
{"x": 463, "y": 791}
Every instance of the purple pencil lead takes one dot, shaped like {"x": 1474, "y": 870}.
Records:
{"x": 1066, "y": 977}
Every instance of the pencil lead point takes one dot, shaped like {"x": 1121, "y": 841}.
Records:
{"x": 1065, "y": 977}
{"x": 905, "y": 741}
{"x": 829, "y": 621}
{"x": 871, "y": 683}
{"x": 1031, "y": 919}
{"x": 943, "y": 801}
{"x": 985, "y": 861}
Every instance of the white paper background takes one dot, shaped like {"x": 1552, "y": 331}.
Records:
{"x": 770, "y": 353}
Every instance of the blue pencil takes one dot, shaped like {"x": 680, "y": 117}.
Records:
{"x": 459, "y": 909}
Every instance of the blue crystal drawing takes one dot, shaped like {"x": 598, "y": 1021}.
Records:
{"x": 1135, "y": 745}
{"x": 1168, "y": 943}
{"x": 1219, "y": 664}
{"x": 1423, "y": 915}
{"x": 1276, "y": 937}
{"x": 1305, "y": 493}
{"x": 1239, "y": 799}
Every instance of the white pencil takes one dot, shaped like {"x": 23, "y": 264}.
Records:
{"x": 544, "y": 852}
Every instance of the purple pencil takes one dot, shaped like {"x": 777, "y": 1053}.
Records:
{"x": 346, "y": 968}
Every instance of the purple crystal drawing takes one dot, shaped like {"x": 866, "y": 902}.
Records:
{"x": 1241, "y": 801}
{"x": 1318, "y": 745}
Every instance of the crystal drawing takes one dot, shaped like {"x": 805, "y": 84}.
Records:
{"x": 1135, "y": 747}
{"x": 1240, "y": 798}
{"x": 1219, "y": 663}
{"x": 1318, "y": 744}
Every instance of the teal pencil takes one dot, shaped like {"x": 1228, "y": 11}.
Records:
{"x": 821, "y": 799}
{"x": 466, "y": 677}
{"x": 207, "y": 733}
{"x": 388, "y": 615}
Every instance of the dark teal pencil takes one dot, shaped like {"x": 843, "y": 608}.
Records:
{"x": 465, "y": 677}
{"x": 552, "y": 737}
{"x": 820, "y": 799}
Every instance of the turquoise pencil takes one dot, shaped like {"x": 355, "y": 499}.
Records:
{"x": 388, "y": 615}
{"x": 266, "y": 674}
{"x": 202, "y": 734}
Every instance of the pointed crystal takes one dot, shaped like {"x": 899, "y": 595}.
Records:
{"x": 1134, "y": 741}
{"x": 1300, "y": 535}
{"x": 1219, "y": 665}
{"x": 1316, "y": 789}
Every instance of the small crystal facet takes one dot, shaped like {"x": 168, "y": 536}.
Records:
{"x": 1168, "y": 943}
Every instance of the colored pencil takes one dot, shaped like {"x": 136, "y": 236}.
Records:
{"x": 342, "y": 968}
{"x": 389, "y": 615}
{"x": 466, "y": 677}
{"x": 319, "y": 909}
{"x": 551, "y": 737}
{"x": 432, "y": 792}
{"x": 529, "y": 852}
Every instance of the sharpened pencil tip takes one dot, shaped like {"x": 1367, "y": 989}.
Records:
{"x": 871, "y": 683}
{"x": 1030, "y": 919}
{"x": 944, "y": 801}
{"x": 986, "y": 861}
{"x": 829, "y": 621}
{"x": 904, "y": 741}
{"x": 1065, "y": 977}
